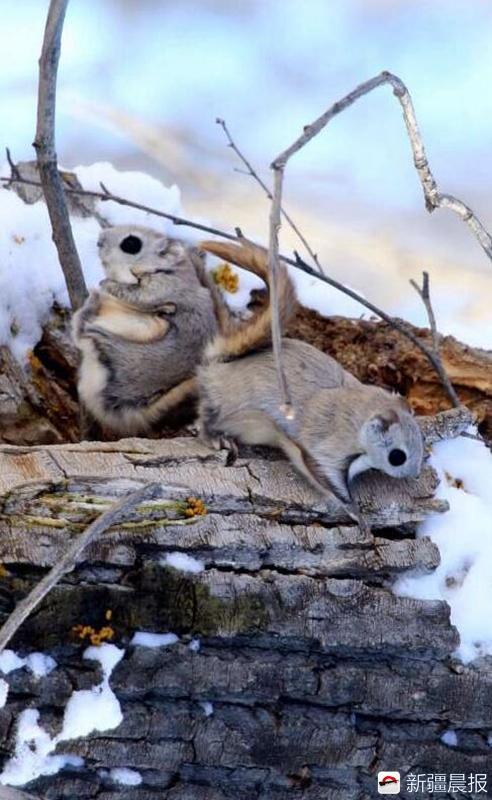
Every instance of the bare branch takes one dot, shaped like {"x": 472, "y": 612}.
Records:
{"x": 273, "y": 259}
{"x": 252, "y": 173}
{"x": 69, "y": 559}
{"x": 433, "y": 199}
{"x": 14, "y": 170}
{"x": 44, "y": 145}
{"x": 400, "y": 325}
{"x": 424, "y": 294}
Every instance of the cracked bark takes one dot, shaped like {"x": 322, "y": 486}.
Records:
{"x": 317, "y": 673}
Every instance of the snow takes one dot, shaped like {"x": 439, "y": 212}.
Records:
{"x": 4, "y": 690}
{"x": 125, "y": 776}
{"x": 95, "y": 709}
{"x": 449, "y": 738}
{"x": 38, "y": 663}
{"x": 207, "y": 708}
{"x": 464, "y": 538}
{"x": 137, "y": 187}
{"x": 33, "y": 750}
{"x": 194, "y": 645}
{"x": 10, "y": 661}
{"x": 325, "y": 299}
{"x": 144, "y": 639}
{"x": 183, "y": 562}
{"x": 30, "y": 275}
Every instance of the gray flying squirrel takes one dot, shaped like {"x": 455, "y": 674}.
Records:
{"x": 341, "y": 426}
{"x": 141, "y": 335}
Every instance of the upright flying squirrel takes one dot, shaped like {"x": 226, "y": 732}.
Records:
{"x": 341, "y": 427}
{"x": 141, "y": 335}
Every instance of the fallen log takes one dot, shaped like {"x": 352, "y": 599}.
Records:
{"x": 306, "y": 674}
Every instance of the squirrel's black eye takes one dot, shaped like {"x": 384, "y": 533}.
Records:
{"x": 397, "y": 457}
{"x": 131, "y": 245}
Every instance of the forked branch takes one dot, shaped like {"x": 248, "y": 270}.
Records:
{"x": 424, "y": 294}
{"x": 252, "y": 172}
{"x": 433, "y": 198}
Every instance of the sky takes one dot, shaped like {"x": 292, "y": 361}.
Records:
{"x": 142, "y": 81}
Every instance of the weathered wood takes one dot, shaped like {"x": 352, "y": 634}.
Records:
{"x": 280, "y": 723}
{"x": 318, "y": 675}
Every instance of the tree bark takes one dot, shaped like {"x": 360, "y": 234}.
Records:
{"x": 318, "y": 675}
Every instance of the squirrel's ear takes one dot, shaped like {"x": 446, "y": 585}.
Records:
{"x": 197, "y": 254}
{"x": 166, "y": 246}
{"x": 162, "y": 246}
{"x": 198, "y": 258}
{"x": 380, "y": 423}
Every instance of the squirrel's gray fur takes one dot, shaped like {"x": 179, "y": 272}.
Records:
{"x": 341, "y": 427}
{"x": 141, "y": 335}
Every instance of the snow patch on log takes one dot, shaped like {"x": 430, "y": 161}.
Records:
{"x": 87, "y": 710}
{"x": 464, "y": 538}
{"x": 145, "y": 639}
{"x": 183, "y": 562}
{"x": 39, "y": 664}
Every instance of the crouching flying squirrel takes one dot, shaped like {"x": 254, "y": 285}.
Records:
{"x": 141, "y": 335}
{"x": 341, "y": 426}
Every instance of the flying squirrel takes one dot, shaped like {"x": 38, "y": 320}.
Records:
{"x": 341, "y": 427}
{"x": 142, "y": 333}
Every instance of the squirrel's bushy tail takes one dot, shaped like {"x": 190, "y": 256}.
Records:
{"x": 236, "y": 339}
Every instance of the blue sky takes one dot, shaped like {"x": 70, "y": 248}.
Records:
{"x": 269, "y": 67}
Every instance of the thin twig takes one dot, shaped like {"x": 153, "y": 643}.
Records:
{"x": 44, "y": 145}
{"x": 252, "y": 173}
{"x": 107, "y": 195}
{"x": 69, "y": 559}
{"x": 424, "y": 294}
{"x": 399, "y": 325}
{"x": 14, "y": 170}
{"x": 433, "y": 198}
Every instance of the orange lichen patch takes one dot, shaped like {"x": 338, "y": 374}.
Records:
{"x": 96, "y": 637}
{"x": 108, "y": 615}
{"x": 195, "y": 507}
{"x": 34, "y": 362}
{"x": 4, "y": 573}
{"x": 456, "y": 482}
{"x": 226, "y": 278}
